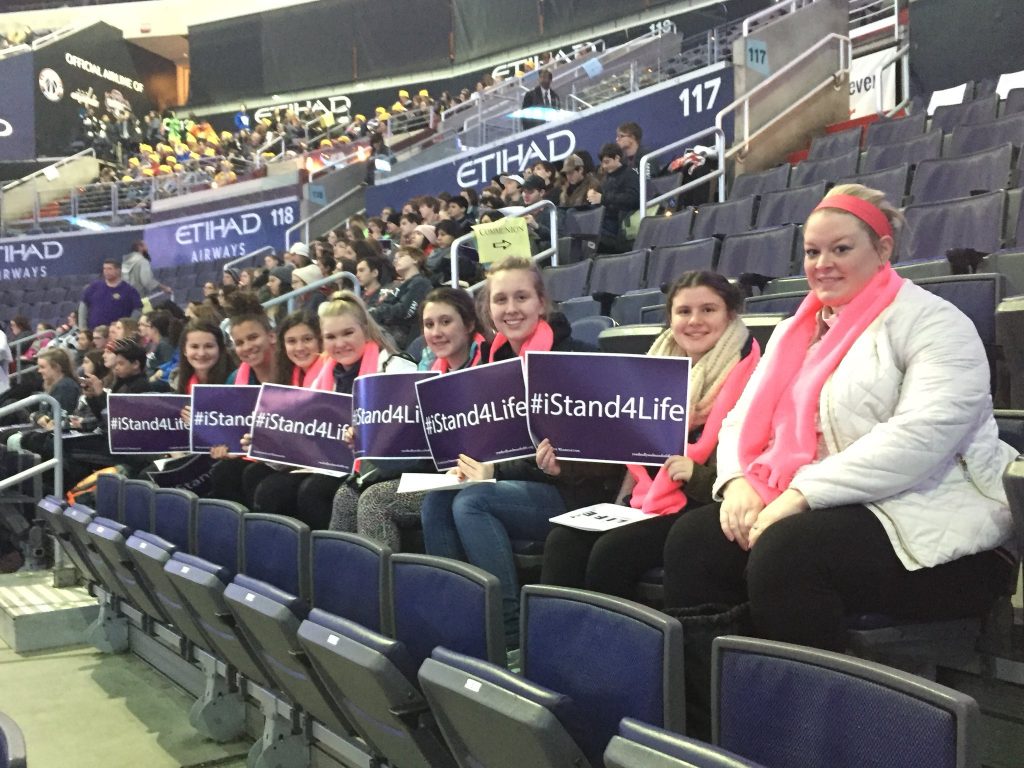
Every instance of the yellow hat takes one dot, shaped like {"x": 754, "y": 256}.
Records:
{"x": 268, "y": 154}
{"x": 133, "y": 161}
{"x": 164, "y": 169}
{"x": 148, "y": 172}
{"x": 345, "y": 139}
{"x": 126, "y": 177}
{"x": 193, "y": 155}
{"x": 425, "y": 93}
{"x": 378, "y": 110}
{"x": 154, "y": 157}
{"x": 403, "y": 94}
{"x": 325, "y": 143}
{"x": 397, "y": 107}
{"x": 145, "y": 148}
{"x": 384, "y": 116}
{"x": 225, "y": 134}
{"x": 361, "y": 117}
{"x": 210, "y": 152}
{"x": 190, "y": 139}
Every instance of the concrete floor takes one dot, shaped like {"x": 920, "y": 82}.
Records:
{"x": 81, "y": 709}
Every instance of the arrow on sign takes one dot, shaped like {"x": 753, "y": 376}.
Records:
{"x": 503, "y": 244}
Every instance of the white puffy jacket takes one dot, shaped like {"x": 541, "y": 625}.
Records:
{"x": 907, "y": 421}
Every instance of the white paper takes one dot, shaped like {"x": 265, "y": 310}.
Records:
{"x": 600, "y": 517}
{"x": 418, "y": 482}
{"x": 949, "y": 96}
{"x": 1008, "y": 81}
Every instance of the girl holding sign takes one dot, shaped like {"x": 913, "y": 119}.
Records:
{"x": 702, "y": 310}
{"x": 454, "y": 341}
{"x": 477, "y": 524}
{"x": 204, "y": 357}
{"x": 354, "y": 344}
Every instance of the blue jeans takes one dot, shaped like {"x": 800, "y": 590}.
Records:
{"x": 477, "y": 524}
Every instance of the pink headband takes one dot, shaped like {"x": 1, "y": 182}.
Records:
{"x": 870, "y": 214}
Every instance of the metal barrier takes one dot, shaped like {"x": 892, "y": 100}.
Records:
{"x": 304, "y": 223}
{"x": 689, "y": 141}
{"x": 289, "y": 297}
{"x": 551, "y": 250}
{"x": 897, "y": 56}
{"x": 57, "y": 462}
{"x": 255, "y": 254}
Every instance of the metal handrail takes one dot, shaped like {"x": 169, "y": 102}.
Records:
{"x": 789, "y": 7}
{"x": 892, "y": 58}
{"x": 780, "y": 76}
{"x": 719, "y": 173}
{"x": 20, "y": 48}
{"x": 25, "y": 347}
{"x": 304, "y": 223}
{"x": 42, "y": 171}
{"x": 55, "y": 35}
{"x": 259, "y": 251}
{"x": 57, "y": 462}
{"x": 335, "y": 277}
{"x": 551, "y": 251}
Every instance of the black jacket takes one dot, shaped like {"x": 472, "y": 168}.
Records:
{"x": 620, "y": 196}
{"x": 397, "y": 309}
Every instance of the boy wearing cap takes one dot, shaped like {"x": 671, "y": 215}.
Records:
{"x": 512, "y": 189}
{"x": 574, "y": 193}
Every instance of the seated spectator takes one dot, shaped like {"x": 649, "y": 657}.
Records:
{"x": 574, "y": 193}
{"x": 298, "y": 255}
{"x": 407, "y": 224}
{"x": 458, "y": 208}
{"x": 512, "y": 189}
{"x": 424, "y": 237}
{"x": 302, "y": 277}
{"x": 397, "y": 309}
{"x": 620, "y": 193}
{"x": 703, "y": 324}
{"x": 628, "y": 136}
{"x": 204, "y": 357}
{"x": 60, "y": 384}
{"x": 373, "y": 274}
{"x": 278, "y": 284}
{"x": 124, "y": 328}
{"x": 892, "y": 501}
{"x": 158, "y": 332}
{"x": 21, "y": 328}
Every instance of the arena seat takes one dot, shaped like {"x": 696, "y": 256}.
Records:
{"x": 662, "y": 184}
{"x": 728, "y": 218}
{"x": 629, "y": 339}
{"x": 892, "y": 181}
{"x": 664, "y": 230}
{"x": 825, "y": 169}
{"x": 767, "y": 252}
{"x": 789, "y": 206}
{"x": 13, "y": 752}
{"x": 664, "y": 265}
{"x": 774, "y": 303}
{"x": 109, "y": 496}
{"x": 640, "y": 745}
{"x": 588, "y": 329}
{"x": 974, "y": 138}
{"x": 350, "y": 578}
{"x": 896, "y": 129}
{"x": 971, "y": 222}
{"x": 1009, "y": 264}
{"x": 568, "y": 282}
{"x": 834, "y": 144}
{"x": 977, "y": 296}
{"x": 78, "y": 518}
{"x": 491, "y": 716}
{"x": 881, "y": 156}
{"x": 782, "y": 704}
{"x": 434, "y": 601}
{"x": 916, "y": 270}
{"x": 758, "y": 183}
{"x": 980, "y": 110}
{"x": 1014, "y": 102}
{"x": 627, "y": 308}
{"x": 137, "y": 501}
{"x": 579, "y": 308}
{"x": 51, "y": 509}
{"x": 951, "y": 177}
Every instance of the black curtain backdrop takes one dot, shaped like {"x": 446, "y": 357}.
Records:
{"x": 226, "y": 59}
{"x": 307, "y": 46}
{"x": 396, "y": 37}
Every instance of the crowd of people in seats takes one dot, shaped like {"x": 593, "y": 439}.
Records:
{"x": 853, "y": 468}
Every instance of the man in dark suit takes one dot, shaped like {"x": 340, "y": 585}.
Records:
{"x": 541, "y": 96}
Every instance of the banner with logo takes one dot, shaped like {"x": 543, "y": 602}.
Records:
{"x": 146, "y": 423}
{"x": 622, "y": 409}
{"x": 221, "y": 234}
{"x": 78, "y": 253}
{"x": 221, "y": 414}
{"x": 480, "y": 412}
{"x": 386, "y": 416}
{"x": 17, "y": 107}
{"x": 684, "y": 106}
{"x": 302, "y": 428}
{"x": 865, "y": 82}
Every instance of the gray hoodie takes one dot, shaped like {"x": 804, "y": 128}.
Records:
{"x": 138, "y": 273}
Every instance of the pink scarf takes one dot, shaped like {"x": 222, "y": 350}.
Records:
{"x": 539, "y": 341}
{"x": 368, "y": 364}
{"x": 440, "y": 364}
{"x": 306, "y": 379}
{"x": 779, "y": 434}
{"x": 242, "y": 375}
{"x": 664, "y": 496}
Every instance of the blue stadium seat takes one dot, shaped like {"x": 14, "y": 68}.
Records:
{"x": 567, "y": 282}
{"x": 351, "y": 579}
{"x": 77, "y": 518}
{"x": 881, "y": 156}
{"x": 758, "y": 183}
{"x": 952, "y": 177}
{"x": 974, "y": 138}
{"x": 1010, "y": 264}
{"x": 579, "y": 308}
{"x": 826, "y": 169}
{"x": 970, "y": 222}
{"x": 627, "y": 308}
{"x": 51, "y": 509}
{"x": 767, "y": 252}
{"x": 664, "y": 230}
{"x": 980, "y": 110}
{"x": 782, "y": 704}
{"x": 13, "y": 753}
{"x": 618, "y": 274}
{"x": 977, "y": 296}
{"x": 434, "y": 602}
{"x": 109, "y": 488}
{"x": 789, "y": 206}
{"x": 588, "y": 329}
{"x": 640, "y": 745}
{"x": 584, "y": 222}
{"x": 728, "y": 218}
{"x": 137, "y": 501}
{"x": 774, "y": 303}
{"x": 1014, "y": 102}
{"x": 663, "y": 184}
{"x": 174, "y": 517}
{"x": 834, "y": 144}
{"x": 666, "y": 264}
{"x": 891, "y": 181}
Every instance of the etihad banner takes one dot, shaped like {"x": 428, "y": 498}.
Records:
{"x": 17, "y": 108}
{"x": 684, "y": 106}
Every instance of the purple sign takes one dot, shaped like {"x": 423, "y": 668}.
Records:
{"x": 146, "y": 423}
{"x": 221, "y": 414}
{"x": 191, "y": 474}
{"x": 302, "y": 427}
{"x": 480, "y": 412}
{"x": 577, "y": 401}
{"x": 386, "y": 416}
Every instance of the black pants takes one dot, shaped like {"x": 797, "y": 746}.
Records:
{"x": 304, "y": 496}
{"x": 611, "y": 562}
{"x": 810, "y": 570}
{"x": 237, "y": 480}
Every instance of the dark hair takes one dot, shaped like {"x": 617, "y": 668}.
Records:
{"x": 428, "y": 200}
{"x": 449, "y": 227}
{"x": 221, "y": 369}
{"x": 460, "y": 201}
{"x": 168, "y": 326}
{"x": 364, "y": 249}
{"x": 611, "y": 149}
{"x": 245, "y": 308}
{"x": 384, "y": 269}
{"x": 458, "y": 299}
{"x": 729, "y": 293}
{"x": 96, "y": 356}
{"x": 301, "y": 317}
{"x": 21, "y": 321}
{"x": 631, "y": 129}
{"x": 327, "y": 262}
{"x": 113, "y": 261}
{"x": 131, "y": 351}
{"x": 471, "y": 195}
{"x": 412, "y": 216}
